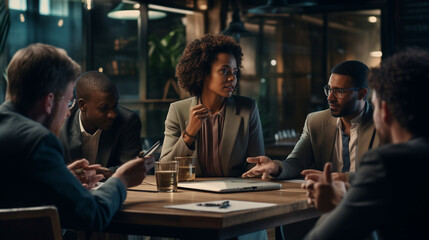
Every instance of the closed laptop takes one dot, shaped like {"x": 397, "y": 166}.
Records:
{"x": 230, "y": 185}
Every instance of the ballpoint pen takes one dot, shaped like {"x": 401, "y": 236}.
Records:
{"x": 224, "y": 204}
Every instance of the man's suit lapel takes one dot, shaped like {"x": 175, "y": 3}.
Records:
{"x": 329, "y": 132}
{"x": 75, "y": 138}
{"x": 230, "y": 130}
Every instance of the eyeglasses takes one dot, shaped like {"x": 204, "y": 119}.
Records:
{"x": 338, "y": 92}
{"x": 70, "y": 103}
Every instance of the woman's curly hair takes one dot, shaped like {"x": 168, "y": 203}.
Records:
{"x": 198, "y": 56}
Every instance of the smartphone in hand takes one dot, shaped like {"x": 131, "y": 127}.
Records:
{"x": 151, "y": 150}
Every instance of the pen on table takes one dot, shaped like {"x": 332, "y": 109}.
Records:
{"x": 224, "y": 204}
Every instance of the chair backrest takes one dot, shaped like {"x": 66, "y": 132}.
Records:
{"x": 30, "y": 223}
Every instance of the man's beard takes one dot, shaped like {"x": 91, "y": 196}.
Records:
{"x": 342, "y": 113}
{"x": 52, "y": 123}
{"x": 345, "y": 110}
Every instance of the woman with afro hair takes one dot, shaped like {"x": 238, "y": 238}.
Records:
{"x": 217, "y": 127}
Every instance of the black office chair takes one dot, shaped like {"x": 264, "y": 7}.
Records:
{"x": 30, "y": 223}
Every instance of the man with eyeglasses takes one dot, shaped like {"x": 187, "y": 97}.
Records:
{"x": 33, "y": 173}
{"x": 98, "y": 129}
{"x": 381, "y": 198}
{"x": 340, "y": 134}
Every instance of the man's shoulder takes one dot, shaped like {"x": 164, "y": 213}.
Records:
{"x": 20, "y": 133}
{"x": 416, "y": 149}
{"x": 126, "y": 119}
{"x": 323, "y": 114}
{"x": 126, "y": 113}
{"x": 20, "y": 125}
{"x": 367, "y": 116}
{"x": 415, "y": 146}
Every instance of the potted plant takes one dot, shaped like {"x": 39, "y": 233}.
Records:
{"x": 164, "y": 54}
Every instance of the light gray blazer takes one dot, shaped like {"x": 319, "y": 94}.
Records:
{"x": 316, "y": 144}
{"x": 241, "y": 137}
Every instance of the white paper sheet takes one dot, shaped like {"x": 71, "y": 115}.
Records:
{"x": 234, "y": 206}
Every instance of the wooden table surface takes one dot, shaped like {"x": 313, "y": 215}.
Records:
{"x": 143, "y": 212}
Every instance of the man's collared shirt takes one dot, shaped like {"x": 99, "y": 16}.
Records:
{"x": 89, "y": 143}
{"x": 337, "y": 158}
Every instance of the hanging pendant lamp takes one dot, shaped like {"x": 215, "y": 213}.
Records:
{"x": 236, "y": 26}
{"x": 129, "y": 10}
{"x": 274, "y": 7}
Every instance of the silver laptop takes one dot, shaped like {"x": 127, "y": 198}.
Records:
{"x": 230, "y": 185}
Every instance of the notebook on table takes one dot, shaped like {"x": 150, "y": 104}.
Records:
{"x": 230, "y": 185}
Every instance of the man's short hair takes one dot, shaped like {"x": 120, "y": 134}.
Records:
{"x": 402, "y": 80}
{"x": 37, "y": 70}
{"x": 355, "y": 69}
{"x": 93, "y": 81}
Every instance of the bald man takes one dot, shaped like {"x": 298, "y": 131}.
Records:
{"x": 99, "y": 129}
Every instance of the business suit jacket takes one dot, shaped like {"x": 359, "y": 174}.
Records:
{"x": 317, "y": 143}
{"x": 117, "y": 145}
{"x": 241, "y": 137}
{"x": 389, "y": 194}
{"x": 33, "y": 173}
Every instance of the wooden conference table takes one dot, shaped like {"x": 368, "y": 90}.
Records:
{"x": 143, "y": 212}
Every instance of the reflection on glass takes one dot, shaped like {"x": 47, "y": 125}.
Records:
{"x": 288, "y": 64}
{"x": 354, "y": 36}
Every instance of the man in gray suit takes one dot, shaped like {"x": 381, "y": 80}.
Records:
{"x": 98, "y": 129}
{"x": 340, "y": 134}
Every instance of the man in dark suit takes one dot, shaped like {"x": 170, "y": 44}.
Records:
{"x": 32, "y": 173}
{"x": 98, "y": 129}
{"x": 388, "y": 193}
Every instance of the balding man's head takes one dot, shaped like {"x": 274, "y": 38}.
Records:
{"x": 93, "y": 81}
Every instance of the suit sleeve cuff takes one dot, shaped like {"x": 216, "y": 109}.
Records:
{"x": 279, "y": 173}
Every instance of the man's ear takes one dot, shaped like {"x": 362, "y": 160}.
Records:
{"x": 48, "y": 103}
{"x": 82, "y": 104}
{"x": 362, "y": 93}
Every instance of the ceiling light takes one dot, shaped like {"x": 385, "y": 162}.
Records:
{"x": 376, "y": 54}
{"x": 274, "y": 7}
{"x": 127, "y": 10}
{"x": 170, "y": 9}
{"x": 372, "y": 19}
